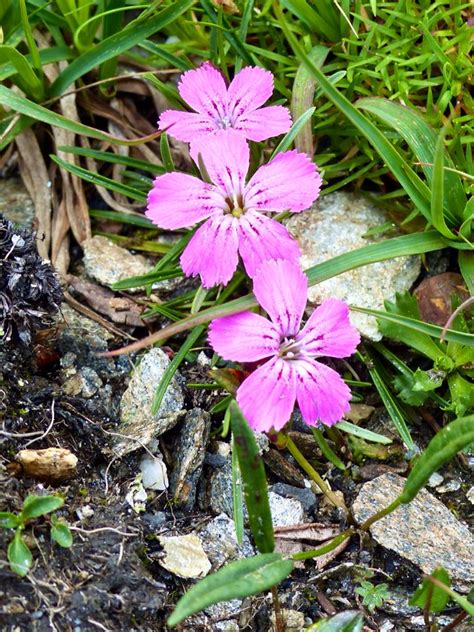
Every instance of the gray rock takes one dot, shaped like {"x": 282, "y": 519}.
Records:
{"x": 435, "y": 480}
{"x": 15, "y": 202}
{"x": 285, "y": 511}
{"x": 189, "y": 456}
{"x": 136, "y": 419}
{"x": 224, "y": 610}
{"x": 451, "y": 486}
{"x": 470, "y": 495}
{"x": 155, "y": 520}
{"x": 220, "y": 490}
{"x": 424, "y": 531}
{"x": 154, "y": 472}
{"x": 84, "y": 382}
{"x": 305, "y": 496}
{"x": 334, "y": 226}
{"x": 108, "y": 263}
{"x": 220, "y": 542}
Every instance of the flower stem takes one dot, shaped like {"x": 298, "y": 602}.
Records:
{"x": 381, "y": 514}
{"x": 286, "y": 441}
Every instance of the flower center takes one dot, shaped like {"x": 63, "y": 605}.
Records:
{"x": 224, "y": 122}
{"x": 290, "y": 349}
{"x": 235, "y": 206}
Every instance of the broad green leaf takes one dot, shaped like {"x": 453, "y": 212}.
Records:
{"x": 442, "y": 448}
{"x": 119, "y": 43}
{"x": 431, "y": 596}
{"x": 8, "y": 520}
{"x": 61, "y": 534}
{"x": 35, "y": 506}
{"x": 462, "y": 394}
{"x": 422, "y": 139}
{"x": 417, "y": 243}
{"x": 239, "y": 579}
{"x": 349, "y": 621}
{"x": 362, "y": 433}
{"x": 415, "y": 188}
{"x": 19, "y": 555}
{"x": 254, "y": 481}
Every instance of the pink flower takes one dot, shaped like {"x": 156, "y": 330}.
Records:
{"x": 236, "y": 211}
{"x": 218, "y": 107}
{"x": 291, "y": 372}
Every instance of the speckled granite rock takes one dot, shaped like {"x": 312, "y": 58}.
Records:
{"x": 15, "y": 202}
{"x": 335, "y": 225}
{"x": 220, "y": 541}
{"x": 107, "y": 263}
{"x": 424, "y": 531}
{"x": 189, "y": 456}
{"x": 285, "y": 511}
{"x": 136, "y": 419}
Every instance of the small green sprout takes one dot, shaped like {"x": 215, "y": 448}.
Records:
{"x": 18, "y": 553}
{"x": 372, "y": 596}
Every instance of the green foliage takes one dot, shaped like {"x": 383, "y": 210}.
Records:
{"x": 431, "y": 597}
{"x": 236, "y": 580}
{"x": 348, "y": 621}
{"x": 372, "y": 595}
{"x": 18, "y": 553}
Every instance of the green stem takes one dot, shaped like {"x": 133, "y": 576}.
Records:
{"x": 286, "y": 441}
{"x": 326, "y": 548}
{"x": 326, "y": 450}
{"x": 381, "y": 514}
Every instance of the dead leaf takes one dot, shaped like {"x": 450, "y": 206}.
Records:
{"x": 313, "y": 532}
{"x": 434, "y": 296}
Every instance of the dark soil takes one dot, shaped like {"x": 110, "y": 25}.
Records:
{"x": 111, "y": 579}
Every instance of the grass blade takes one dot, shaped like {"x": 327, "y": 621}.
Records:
{"x": 254, "y": 481}
{"x": 119, "y": 43}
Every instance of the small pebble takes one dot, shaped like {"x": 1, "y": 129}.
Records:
{"x": 435, "y": 479}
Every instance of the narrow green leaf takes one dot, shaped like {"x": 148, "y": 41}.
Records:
{"x": 22, "y": 105}
{"x": 394, "y": 407}
{"x": 119, "y": 43}
{"x": 35, "y": 506}
{"x": 165, "y": 152}
{"x": 19, "y": 555}
{"x": 237, "y": 497}
{"x": 8, "y": 520}
{"x": 254, "y": 481}
{"x": 326, "y": 449}
{"x": 466, "y": 265}
{"x": 437, "y": 191}
{"x": 29, "y": 37}
{"x": 422, "y": 139}
{"x": 293, "y": 132}
{"x": 442, "y": 448}
{"x": 172, "y": 367}
{"x": 238, "y": 579}
{"x": 362, "y": 433}
{"x": 417, "y": 325}
{"x": 430, "y": 595}
{"x": 417, "y": 243}
{"x": 123, "y": 218}
{"x": 235, "y": 42}
{"x": 415, "y": 188}
{"x": 26, "y": 77}
{"x": 99, "y": 180}
{"x": 61, "y": 534}
{"x": 109, "y": 156}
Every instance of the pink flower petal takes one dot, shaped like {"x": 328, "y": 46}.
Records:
{"x": 178, "y": 200}
{"x": 329, "y": 332}
{"x": 249, "y": 89}
{"x": 281, "y": 288}
{"x": 244, "y": 337}
{"x": 212, "y": 252}
{"x": 321, "y": 393}
{"x": 289, "y": 182}
{"x": 226, "y": 157}
{"x": 185, "y": 126}
{"x": 264, "y": 123}
{"x": 205, "y": 91}
{"x": 262, "y": 238}
{"x": 267, "y": 396}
